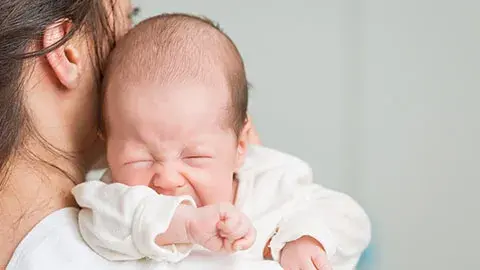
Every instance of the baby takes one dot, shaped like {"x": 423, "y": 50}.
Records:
{"x": 176, "y": 126}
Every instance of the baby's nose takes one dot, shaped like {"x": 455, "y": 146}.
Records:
{"x": 167, "y": 179}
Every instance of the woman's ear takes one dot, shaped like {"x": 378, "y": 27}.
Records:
{"x": 64, "y": 60}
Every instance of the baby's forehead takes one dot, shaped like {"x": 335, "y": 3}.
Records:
{"x": 173, "y": 99}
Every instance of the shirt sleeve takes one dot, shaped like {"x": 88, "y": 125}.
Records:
{"x": 121, "y": 222}
{"x": 332, "y": 218}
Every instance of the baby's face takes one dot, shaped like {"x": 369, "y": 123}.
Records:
{"x": 174, "y": 140}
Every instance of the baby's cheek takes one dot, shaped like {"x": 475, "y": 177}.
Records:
{"x": 132, "y": 177}
{"x": 215, "y": 189}
{"x": 199, "y": 184}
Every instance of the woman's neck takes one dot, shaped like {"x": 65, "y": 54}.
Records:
{"x": 30, "y": 193}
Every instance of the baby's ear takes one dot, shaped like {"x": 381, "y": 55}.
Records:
{"x": 242, "y": 145}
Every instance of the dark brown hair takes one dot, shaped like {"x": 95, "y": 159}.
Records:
{"x": 22, "y": 24}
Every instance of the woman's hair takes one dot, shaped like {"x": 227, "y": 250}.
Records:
{"x": 22, "y": 25}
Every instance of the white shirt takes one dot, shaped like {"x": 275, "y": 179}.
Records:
{"x": 56, "y": 244}
{"x": 275, "y": 190}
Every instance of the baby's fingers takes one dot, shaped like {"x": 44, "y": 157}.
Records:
{"x": 234, "y": 227}
{"x": 299, "y": 264}
{"x": 225, "y": 228}
{"x": 246, "y": 241}
{"x": 228, "y": 246}
{"x": 308, "y": 266}
{"x": 321, "y": 262}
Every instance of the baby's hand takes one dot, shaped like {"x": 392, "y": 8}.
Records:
{"x": 221, "y": 228}
{"x": 304, "y": 253}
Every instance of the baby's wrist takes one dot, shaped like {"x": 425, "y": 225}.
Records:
{"x": 177, "y": 231}
{"x": 186, "y": 215}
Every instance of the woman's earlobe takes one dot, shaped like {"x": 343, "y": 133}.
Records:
{"x": 65, "y": 59}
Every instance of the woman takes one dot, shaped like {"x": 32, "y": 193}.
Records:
{"x": 51, "y": 54}
{"x": 51, "y": 57}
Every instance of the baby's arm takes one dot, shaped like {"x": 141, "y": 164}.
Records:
{"x": 332, "y": 221}
{"x": 122, "y": 223}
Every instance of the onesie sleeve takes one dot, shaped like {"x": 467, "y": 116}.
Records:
{"x": 334, "y": 219}
{"x": 121, "y": 222}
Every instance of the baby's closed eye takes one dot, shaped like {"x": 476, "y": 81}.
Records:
{"x": 197, "y": 160}
{"x": 140, "y": 164}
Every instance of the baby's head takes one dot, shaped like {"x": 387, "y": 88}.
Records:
{"x": 175, "y": 100}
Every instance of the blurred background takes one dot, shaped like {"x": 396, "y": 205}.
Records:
{"x": 382, "y": 99}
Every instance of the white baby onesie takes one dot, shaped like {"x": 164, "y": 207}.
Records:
{"x": 275, "y": 190}
{"x": 120, "y": 222}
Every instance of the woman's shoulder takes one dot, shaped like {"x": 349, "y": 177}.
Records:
{"x": 56, "y": 243}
